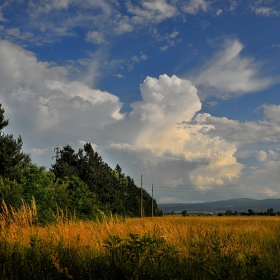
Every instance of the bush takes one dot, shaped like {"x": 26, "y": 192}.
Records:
{"x": 143, "y": 257}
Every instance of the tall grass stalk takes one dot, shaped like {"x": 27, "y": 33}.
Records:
{"x": 148, "y": 248}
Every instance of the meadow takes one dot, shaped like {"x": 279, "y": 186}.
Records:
{"x": 170, "y": 247}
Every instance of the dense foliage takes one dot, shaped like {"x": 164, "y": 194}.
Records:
{"x": 116, "y": 192}
{"x": 81, "y": 183}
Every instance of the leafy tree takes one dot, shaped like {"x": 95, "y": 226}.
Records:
{"x": 10, "y": 192}
{"x": 70, "y": 194}
{"x": 37, "y": 182}
{"x": 158, "y": 212}
{"x": 80, "y": 200}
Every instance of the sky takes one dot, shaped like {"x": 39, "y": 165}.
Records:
{"x": 182, "y": 92}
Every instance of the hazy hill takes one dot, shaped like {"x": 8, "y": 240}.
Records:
{"x": 239, "y": 204}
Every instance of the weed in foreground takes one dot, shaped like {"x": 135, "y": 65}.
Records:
{"x": 141, "y": 257}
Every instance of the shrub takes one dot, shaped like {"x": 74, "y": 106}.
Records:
{"x": 141, "y": 257}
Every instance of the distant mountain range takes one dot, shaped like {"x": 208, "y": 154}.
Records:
{"x": 239, "y": 205}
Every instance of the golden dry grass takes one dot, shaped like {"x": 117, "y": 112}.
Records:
{"x": 234, "y": 246}
{"x": 241, "y": 234}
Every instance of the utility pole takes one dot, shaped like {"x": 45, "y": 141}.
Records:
{"x": 152, "y": 200}
{"x": 141, "y": 209}
{"x": 57, "y": 151}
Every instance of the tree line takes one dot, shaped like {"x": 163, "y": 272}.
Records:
{"x": 79, "y": 183}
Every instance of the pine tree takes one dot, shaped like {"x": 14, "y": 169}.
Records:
{"x": 12, "y": 158}
{"x": 3, "y": 122}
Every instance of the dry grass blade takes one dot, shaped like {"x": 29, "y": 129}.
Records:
{"x": 25, "y": 216}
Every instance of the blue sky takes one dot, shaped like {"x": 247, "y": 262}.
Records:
{"x": 185, "y": 93}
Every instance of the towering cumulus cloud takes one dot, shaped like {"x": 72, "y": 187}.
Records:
{"x": 166, "y": 102}
{"x": 171, "y": 144}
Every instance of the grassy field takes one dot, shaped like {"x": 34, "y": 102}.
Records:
{"x": 148, "y": 248}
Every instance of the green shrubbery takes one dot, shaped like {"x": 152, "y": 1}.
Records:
{"x": 141, "y": 257}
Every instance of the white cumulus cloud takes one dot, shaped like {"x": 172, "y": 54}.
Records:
{"x": 50, "y": 106}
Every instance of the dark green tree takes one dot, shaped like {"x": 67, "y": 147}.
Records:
{"x": 3, "y": 122}
{"x": 184, "y": 213}
{"x": 73, "y": 195}
{"x": 229, "y": 213}
{"x": 70, "y": 195}
{"x": 11, "y": 192}
{"x": 251, "y": 212}
{"x": 66, "y": 164}
{"x": 37, "y": 183}
{"x": 270, "y": 212}
{"x": 12, "y": 159}
{"x": 115, "y": 192}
